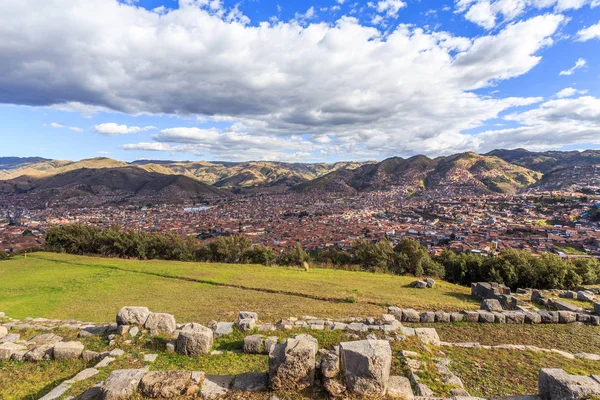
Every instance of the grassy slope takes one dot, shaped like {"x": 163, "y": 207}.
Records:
{"x": 89, "y": 288}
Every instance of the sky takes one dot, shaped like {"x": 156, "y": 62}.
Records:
{"x": 302, "y": 81}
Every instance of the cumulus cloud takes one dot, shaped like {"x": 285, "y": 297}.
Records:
{"x": 112, "y": 129}
{"x": 488, "y": 13}
{"x": 390, "y": 7}
{"x": 57, "y": 125}
{"x": 589, "y": 33}
{"x": 580, "y": 63}
{"x": 227, "y": 144}
{"x": 404, "y": 91}
{"x": 569, "y": 92}
{"x": 553, "y": 124}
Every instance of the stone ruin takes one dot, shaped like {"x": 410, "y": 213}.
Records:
{"x": 355, "y": 368}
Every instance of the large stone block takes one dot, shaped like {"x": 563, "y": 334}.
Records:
{"x": 194, "y": 340}
{"x": 167, "y": 384}
{"x": 410, "y": 315}
{"x": 160, "y": 323}
{"x": 292, "y": 363}
{"x": 68, "y": 350}
{"x": 130, "y": 315}
{"x": 428, "y": 336}
{"x": 556, "y": 384}
{"x": 121, "y": 384}
{"x": 366, "y": 366}
{"x": 491, "y": 305}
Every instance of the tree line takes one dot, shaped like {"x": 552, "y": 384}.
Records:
{"x": 512, "y": 267}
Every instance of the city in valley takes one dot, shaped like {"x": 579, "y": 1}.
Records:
{"x": 458, "y": 213}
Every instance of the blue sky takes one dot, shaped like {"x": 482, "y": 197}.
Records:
{"x": 297, "y": 81}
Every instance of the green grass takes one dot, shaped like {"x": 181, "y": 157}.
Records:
{"x": 30, "y": 381}
{"x": 503, "y": 373}
{"x": 571, "y": 338}
{"x": 90, "y": 288}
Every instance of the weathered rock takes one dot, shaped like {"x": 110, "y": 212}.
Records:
{"x": 194, "y": 339}
{"x": 121, "y": 384}
{"x": 399, "y": 388}
{"x": 39, "y": 353}
{"x": 562, "y": 305}
{"x": 11, "y": 337}
{"x": 57, "y": 392}
{"x": 456, "y": 317}
{"x": 133, "y": 331}
{"x": 427, "y": 317}
{"x": 499, "y": 317}
{"x": 491, "y": 305}
{"x": 251, "y": 382}
{"x": 105, "y": 362}
{"x": 161, "y": 324}
{"x": 430, "y": 282}
{"x": 514, "y": 317}
{"x": 548, "y": 317}
{"x": 68, "y": 350}
{"x": 292, "y": 363}
{"x": 585, "y": 295}
{"x": 222, "y": 329}
{"x": 8, "y": 349}
{"x": 166, "y": 384}
{"x": 246, "y": 324}
{"x": 428, "y": 336}
{"x": 442, "y": 316}
{"x": 419, "y": 284}
{"x": 366, "y": 366}
{"x": 83, "y": 375}
{"x": 122, "y": 330}
{"x": 396, "y": 312}
{"x": 584, "y": 318}
{"x": 334, "y": 387}
{"x": 253, "y": 344}
{"x": 471, "y": 316}
{"x": 357, "y": 327}
{"x": 597, "y": 308}
{"x": 533, "y": 318}
{"x": 538, "y": 298}
{"x": 387, "y": 318}
{"x": 410, "y": 315}
{"x": 486, "y": 317}
{"x": 247, "y": 314}
{"x": 556, "y": 384}
{"x": 270, "y": 342}
{"x": 566, "y": 317}
{"x": 330, "y": 365}
{"x": 3, "y": 331}
{"x": 132, "y": 315}
{"x": 215, "y": 387}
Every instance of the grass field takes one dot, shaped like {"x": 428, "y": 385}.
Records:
{"x": 90, "y": 288}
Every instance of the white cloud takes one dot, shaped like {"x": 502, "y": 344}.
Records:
{"x": 112, "y": 129}
{"x": 390, "y": 7}
{"x": 569, "y": 92}
{"x": 229, "y": 145}
{"x": 589, "y": 33}
{"x": 487, "y": 13}
{"x": 554, "y": 123}
{"x": 404, "y": 91}
{"x": 580, "y": 63}
{"x": 56, "y": 125}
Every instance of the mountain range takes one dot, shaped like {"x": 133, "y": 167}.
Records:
{"x": 499, "y": 171}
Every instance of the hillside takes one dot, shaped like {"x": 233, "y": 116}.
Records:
{"x": 220, "y": 174}
{"x": 120, "y": 182}
{"x": 465, "y": 171}
{"x": 35, "y": 168}
{"x": 548, "y": 161}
